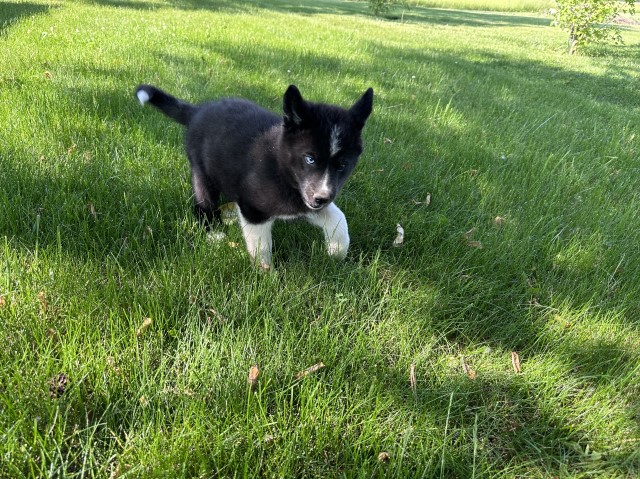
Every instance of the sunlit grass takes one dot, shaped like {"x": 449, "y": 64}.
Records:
{"x": 528, "y": 245}
{"x": 488, "y": 5}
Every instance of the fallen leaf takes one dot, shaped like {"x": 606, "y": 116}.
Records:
{"x": 399, "y": 237}
{"x": 467, "y": 370}
{"x": 48, "y": 75}
{"x": 144, "y": 402}
{"x": 473, "y": 173}
{"x": 233, "y": 244}
{"x": 58, "y": 385}
{"x": 384, "y": 457}
{"x": 264, "y": 266}
{"x": 253, "y": 377}
{"x": 426, "y": 202}
{"x": 144, "y": 326}
{"x": 474, "y": 244}
{"x": 388, "y": 140}
{"x": 310, "y": 370}
{"x": 498, "y": 220}
{"x": 515, "y": 360}
{"x": 3, "y": 302}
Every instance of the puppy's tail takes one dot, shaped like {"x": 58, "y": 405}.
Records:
{"x": 180, "y": 111}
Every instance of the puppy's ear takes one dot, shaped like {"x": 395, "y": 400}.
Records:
{"x": 294, "y": 107}
{"x": 361, "y": 110}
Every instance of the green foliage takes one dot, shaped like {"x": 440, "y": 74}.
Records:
{"x": 380, "y": 7}
{"x": 589, "y": 21}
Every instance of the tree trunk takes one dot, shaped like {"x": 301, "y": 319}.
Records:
{"x": 572, "y": 40}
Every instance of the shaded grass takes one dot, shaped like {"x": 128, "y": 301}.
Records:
{"x": 97, "y": 235}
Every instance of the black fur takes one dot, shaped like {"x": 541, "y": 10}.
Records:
{"x": 260, "y": 160}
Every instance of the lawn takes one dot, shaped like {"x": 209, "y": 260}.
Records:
{"x": 502, "y": 339}
{"x": 489, "y": 5}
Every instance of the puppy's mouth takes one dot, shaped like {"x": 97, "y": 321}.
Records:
{"x": 314, "y": 208}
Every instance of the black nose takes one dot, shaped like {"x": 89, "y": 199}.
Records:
{"x": 320, "y": 201}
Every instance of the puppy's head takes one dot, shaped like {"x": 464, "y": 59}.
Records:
{"x": 321, "y": 144}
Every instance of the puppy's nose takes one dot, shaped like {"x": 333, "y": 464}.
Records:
{"x": 320, "y": 201}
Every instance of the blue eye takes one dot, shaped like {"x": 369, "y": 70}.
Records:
{"x": 309, "y": 159}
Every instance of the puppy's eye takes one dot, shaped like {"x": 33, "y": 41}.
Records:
{"x": 341, "y": 166}
{"x": 309, "y": 160}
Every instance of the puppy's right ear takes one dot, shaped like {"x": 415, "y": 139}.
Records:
{"x": 294, "y": 107}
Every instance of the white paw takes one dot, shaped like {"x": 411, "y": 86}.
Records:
{"x": 338, "y": 249}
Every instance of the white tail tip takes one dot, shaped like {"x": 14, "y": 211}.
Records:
{"x": 143, "y": 96}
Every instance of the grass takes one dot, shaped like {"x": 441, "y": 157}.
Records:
{"x": 529, "y": 245}
{"x": 488, "y": 5}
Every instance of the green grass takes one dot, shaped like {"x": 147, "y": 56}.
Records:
{"x": 488, "y": 5}
{"x": 96, "y": 234}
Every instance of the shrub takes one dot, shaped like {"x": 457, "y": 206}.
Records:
{"x": 590, "y": 21}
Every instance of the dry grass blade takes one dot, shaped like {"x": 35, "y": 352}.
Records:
{"x": 92, "y": 210}
{"x": 44, "y": 305}
{"x": 309, "y": 370}
{"x": 412, "y": 376}
{"x": 144, "y": 326}
{"x": 252, "y": 380}
{"x": 515, "y": 360}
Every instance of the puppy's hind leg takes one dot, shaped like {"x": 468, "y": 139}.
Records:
{"x": 205, "y": 199}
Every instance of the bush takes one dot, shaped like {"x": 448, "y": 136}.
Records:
{"x": 589, "y": 21}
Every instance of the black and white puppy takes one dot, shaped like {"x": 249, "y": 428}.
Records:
{"x": 272, "y": 167}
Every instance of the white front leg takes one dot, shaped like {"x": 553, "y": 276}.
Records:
{"x": 334, "y": 225}
{"x": 258, "y": 240}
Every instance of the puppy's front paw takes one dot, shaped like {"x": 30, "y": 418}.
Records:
{"x": 337, "y": 248}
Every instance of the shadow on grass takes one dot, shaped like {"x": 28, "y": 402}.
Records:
{"x": 413, "y": 14}
{"x": 13, "y": 12}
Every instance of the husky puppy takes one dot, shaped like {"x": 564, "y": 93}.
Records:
{"x": 271, "y": 167}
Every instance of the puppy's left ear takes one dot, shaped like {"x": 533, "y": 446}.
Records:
{"x": 361, "y": 110}
{"x": 294, "y": 107}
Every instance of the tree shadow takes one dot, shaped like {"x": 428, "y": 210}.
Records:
{"x": 13, "y": 12}
{"x": 412, "y": 14}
